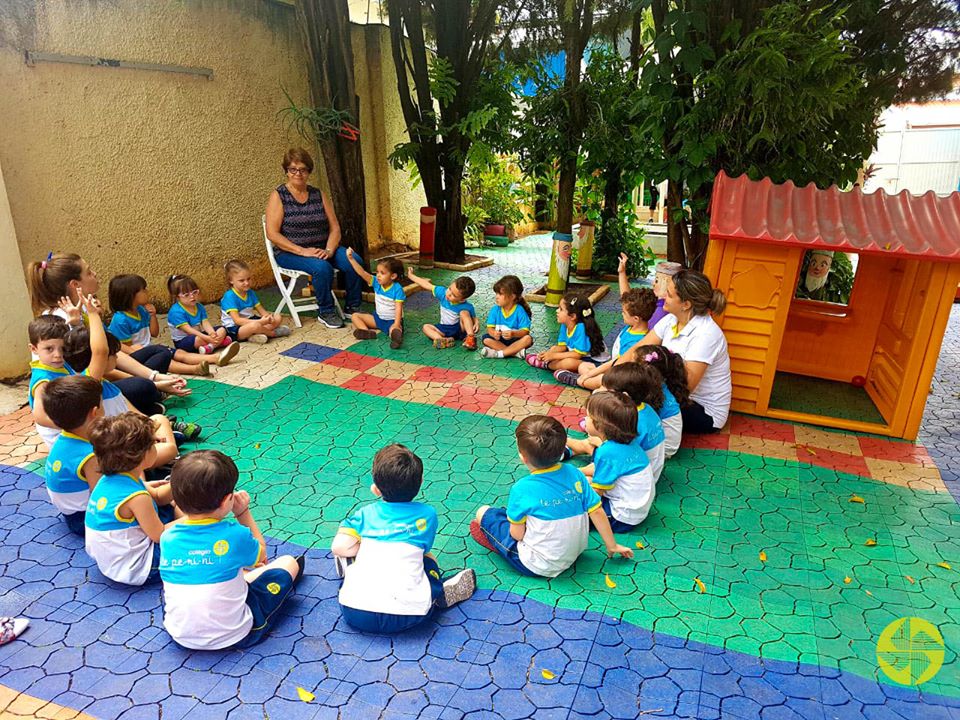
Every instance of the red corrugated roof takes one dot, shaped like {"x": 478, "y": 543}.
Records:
{"x": 926, "y": 226}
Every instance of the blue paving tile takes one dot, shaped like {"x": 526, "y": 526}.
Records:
{"x": 311, "y": 351}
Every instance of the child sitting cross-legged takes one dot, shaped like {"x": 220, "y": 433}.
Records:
{"x": 125, "y": 514}
{"x": 578, "y": 341}
{"x": 241, "y": 314}
{"x": 388, "y": 299}
{"x": 620, "y": 470}
{"x": 545, "y": 526}
{"x": 391, "y": 582}
{"x": 508, "y": 323}
{"x": 458, "y": 319}
{"x": 190, "y": 328}
{"x": 218, "y": 589}
{"x": 74, "y": 404}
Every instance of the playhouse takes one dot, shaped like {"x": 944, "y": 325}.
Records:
{"x": 858, "y": 353}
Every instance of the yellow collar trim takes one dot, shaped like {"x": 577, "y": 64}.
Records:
{"x": 545, "y": 470}
{"x": 382, "y": 287}
{"x": 242, "y": 297}
{"x": 512, "y": 311}
{"x": 631, "y": 331}
{"x": 73, "y": 436}
{"x": 131, "y": 315}
{"x": 201, "y": 521}
{"x": 641, "y": 406}
{"x": 40, "y": 366}
{"x": 191, "y": 314}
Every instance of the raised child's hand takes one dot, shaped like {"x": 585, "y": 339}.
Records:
{"x": 622, "y": 265}
{"x": 350, "y": 253}
{"x": 410, "y": 272}
{"x": 241, "y": 502}
{"x": 620, "y": 550}
{"x": 150, "y": 308}
{"x": 72, "y": 310}
{"x": 92, "y": 305}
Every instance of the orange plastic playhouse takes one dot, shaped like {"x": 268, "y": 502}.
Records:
{"x": 863, "y": 361}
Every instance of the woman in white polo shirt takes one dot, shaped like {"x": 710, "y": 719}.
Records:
{"x": 690, "y": 331}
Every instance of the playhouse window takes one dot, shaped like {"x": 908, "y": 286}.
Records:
{"x": 827, "y": 276}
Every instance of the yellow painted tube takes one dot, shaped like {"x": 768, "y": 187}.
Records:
{"x": 559, "y": 268}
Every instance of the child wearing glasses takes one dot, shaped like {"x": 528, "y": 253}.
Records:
{"x": 190, "y": 328}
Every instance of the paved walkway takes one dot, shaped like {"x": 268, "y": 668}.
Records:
{"x": 757, "y": 590}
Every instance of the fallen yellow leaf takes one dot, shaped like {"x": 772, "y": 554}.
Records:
{"x": 868, "y": 593}
{"x": 257, "y": 445}
{"x": 870, "y": 543}
{"x": 944, "y": 565}
{"x": 640, "y": 545}
{"x": 847, "y": 580}
{"x": 700, "y": 586}
{"x": 856, "y": 499}
{"x": 610, "y": 583}
{"x": 912, "y": 581}
{"x": 547, "y": 675}
{"x": 763, "y": 556}
{"x": 305, "y": 695}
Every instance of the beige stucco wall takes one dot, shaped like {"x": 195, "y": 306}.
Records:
{"x": 14, "y": 355}
{"x": 155, "y": 172}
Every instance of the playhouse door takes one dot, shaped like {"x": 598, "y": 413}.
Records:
{"x": 900, "y": 323}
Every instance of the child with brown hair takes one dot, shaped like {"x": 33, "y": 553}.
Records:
{"x": 578, "y": 340}
{"x": 388, "y": 296}
{"x": 241, "y": 313}
{"x": 190, "y": 328}
{"x": 125, "y": 514}
{"x": 458, "y": 318}
{"x": 508, "y": 322}
{"x": 545, "y": 525}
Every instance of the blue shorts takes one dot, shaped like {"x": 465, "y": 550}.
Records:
{"x": 265, "y": 596}
{"x": 75, "y": 521}
{"x": 188, "y": 344}
{"x": 615, "y": 525}
{"x": 496, "y": 527}
{"x": 234, "y": 330}
{"x": 380, "y": 623}
{"x": 511, "y": 341}
{"x": 453, "y": 330}
{"x": 385, "y": 325}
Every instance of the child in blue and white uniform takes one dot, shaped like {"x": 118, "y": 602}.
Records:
{"x": 644, "y": 384}
{"x": 458, "y": 319}
{"x": 579, "y": 339}
{"x": 545, "y": 525}
{"x": 391, "y": 582}
{"x": 508, "y": 323}
{"x": 388, "y": 298}
{"x": 125, "y": 514}
{"x": 71, "y": 470}
{"x": 190, "y": 328}
{"x": 135, "y": 325}
{"x": 241, "y": 313}
{"x": 620, "y": 470}
{"x": 218, "y": 589}
{"x": 675, "y": 393}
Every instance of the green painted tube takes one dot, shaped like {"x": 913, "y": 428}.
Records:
{"x": 559, "y": 268}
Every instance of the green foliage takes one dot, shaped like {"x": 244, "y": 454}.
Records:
{"x": 493, "y": 188}
{"x": 313, "y": 124}
{"x": 622, "y": 234}
{"x": 443, "y": 84}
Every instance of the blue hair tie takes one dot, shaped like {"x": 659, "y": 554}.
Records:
{"x": 43, "y": 265}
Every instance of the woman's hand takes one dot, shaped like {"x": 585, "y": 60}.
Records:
{"x": 176, "y": 387}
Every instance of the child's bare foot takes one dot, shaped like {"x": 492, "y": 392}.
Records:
{"x": 396, "y": 338}
{"x": 364, "y": 334}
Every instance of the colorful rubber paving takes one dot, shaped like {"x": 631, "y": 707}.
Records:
{"x": 698, "y": 625}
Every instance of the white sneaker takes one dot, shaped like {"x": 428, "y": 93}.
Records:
{"x": 341, "y": 564}
{"x": 258, "y": 339}
{"x": 522, "y": 354}
{"x": 491, "y": 353}
{"x": 228, "y": 353}
{"x": 459, "y": 588}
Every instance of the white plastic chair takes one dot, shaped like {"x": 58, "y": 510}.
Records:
{"x": 298, "y": 305}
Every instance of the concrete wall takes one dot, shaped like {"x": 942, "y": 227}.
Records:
{"x": 155, "y": 172}
{"x": 14, "y": 356}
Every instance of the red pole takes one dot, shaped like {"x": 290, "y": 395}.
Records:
{"x": 428, "y": 230}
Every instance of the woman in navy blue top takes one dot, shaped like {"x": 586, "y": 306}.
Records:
{"x": 303, "y": 228}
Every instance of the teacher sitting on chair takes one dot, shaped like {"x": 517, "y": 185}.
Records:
{"x": 303, "y": 228}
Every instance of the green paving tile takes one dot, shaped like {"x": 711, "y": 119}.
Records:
{"x": 826, "y": 398}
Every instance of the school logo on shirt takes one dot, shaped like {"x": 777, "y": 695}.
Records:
{"x": 101, "y": 503}
{"x": 273, "y": 588}
{"x": 421, "y": 524}
{"x": 579, "y": 486}
{"x": 57, "y": 465}
{"x": 220, "y": 547}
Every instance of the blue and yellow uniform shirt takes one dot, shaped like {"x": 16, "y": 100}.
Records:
{"x": 670, "y": 407}
{"x": 40, "y": 373}
{"x": 624, "y": 472}
{"x": 63, "y": 473}
{"x": 649, "y": 427}
{"x": 626, "y": 339}
{"x": 180, "y": 316}
{"x": 205, "y": 594}
{"x": 386, "y": 298}
{"x": 120, "y": 547}
{"x": 388, "y": 574}
{"x": 577, "y": 341}
{"x": 516, "y": 319}
{"x": 131, "y": 328}
{"x": 449, "y": 312}
{"x": 243, "y": 304}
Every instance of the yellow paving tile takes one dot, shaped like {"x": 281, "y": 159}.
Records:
{"x": 915, "y": 477}
{"x": 394, "y": 369}
{"x": 573, "y": 397}
{"x": 489, "y": 383}
{"x": 421, "y": 392}
{"x": 512, "y": 408}
{"x": 764, "y": 448}
{"x": 328, "y": 374}
{"x": 838, "y": 442}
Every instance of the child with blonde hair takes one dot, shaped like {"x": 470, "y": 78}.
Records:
{"x": 241, "y": 313}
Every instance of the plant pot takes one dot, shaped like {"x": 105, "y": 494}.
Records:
{"x": 498, "y": 240}
{"x": 495, "y": 230}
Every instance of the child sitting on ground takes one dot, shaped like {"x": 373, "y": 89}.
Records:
{"x": 135, "y": 325}
{"x": 126, "y": 515}
{"x": 579, "y": 338}
{"x": 388, "y": 301}
{"x": 620, "y": 470}
{"x": 218, "y": 589}
{"x": 241, "y": 313}
{"x": 71, "y": 470}
{"x": 458, "y": 319}
{"x": 190, "y": 328}
{"x": 508, "y": 323}
{"x": 545, "y": 525}
{"x": 675, "y": 393}
{"x": 391, "y": 582}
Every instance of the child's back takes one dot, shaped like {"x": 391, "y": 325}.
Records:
{"x": 651, "y": 438}
{"x": 63, "y": 473}
{"x": 121, "y": 548}
{"x": 624, "y": 472}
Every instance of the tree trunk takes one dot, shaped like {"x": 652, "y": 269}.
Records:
{"x": 450, "y": 219}
{"x": 565, "y": 190}
{"x": 612, "y": 187}
{"x": 325, "y": 28}
{"x": 676, "y": 251}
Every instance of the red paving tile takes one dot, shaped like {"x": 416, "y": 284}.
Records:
{"x": 352, "y": 361}
{"x": 436, "y": 374}
{"x": 471, "y": 399}
{"x": 569, "y": 417}
{"x": 716, "y": 441}
{"x": 759, "y": 428}
{"x": 904, "y": 452}
{"x": 534, "y": 391}
{"x": 838, "y": 461}
{"x": 372, "y": 384}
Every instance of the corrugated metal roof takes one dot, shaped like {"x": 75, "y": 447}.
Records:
{"x": 925, "y": 226}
